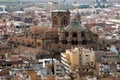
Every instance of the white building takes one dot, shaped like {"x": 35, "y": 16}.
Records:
{"x": 87, "y": 56}
{"x": 113, "y": 49}
{"x": 3, "y": 9}
{"x": 58, "y": 68}
{"x": 50, "y": 6}
{"x": 104, "y": 69}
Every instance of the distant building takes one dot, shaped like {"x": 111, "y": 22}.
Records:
{"x": 3, "y": 10}
{"x": 114, "y": 1}
{"x": 50, "y": 6}
{"x": 9, "y": 2}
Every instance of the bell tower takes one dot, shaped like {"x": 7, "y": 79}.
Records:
{"x": 60, "y": 18}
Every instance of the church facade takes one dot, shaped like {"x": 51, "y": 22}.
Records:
{"x": 74, "y": 33}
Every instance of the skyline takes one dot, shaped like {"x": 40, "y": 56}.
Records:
{"x": 71, "y": 1}
{"x": 61, "y": 1}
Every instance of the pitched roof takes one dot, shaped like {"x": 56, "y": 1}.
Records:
{"x": 50, "y": 33}
{"x": 38, "y": 29}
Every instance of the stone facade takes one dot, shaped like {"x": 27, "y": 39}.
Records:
{"x": 60, "y": 18}
{"x": 75, "y": 34}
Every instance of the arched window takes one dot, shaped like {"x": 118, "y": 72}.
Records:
{"x": 74, "y": 34}
{"x": 55, "y": 20}
{"x": 64, "y": 21}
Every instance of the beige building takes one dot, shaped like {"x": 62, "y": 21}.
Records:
{"x": 77, "y": 56}
{"x": 87, "y": 56}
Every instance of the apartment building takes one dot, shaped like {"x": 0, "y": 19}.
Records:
{"x": 48, "y": 63}
{"x": 109, "y": 65}
{"x": 77, "y": 56}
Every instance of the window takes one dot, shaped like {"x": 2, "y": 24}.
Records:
{"x": 64, "y": 42}
{"x": 101, "y": 71}
{"x": 1, "y": 9}
{"x": 55, "y": 20}
{"x": 82, "y": 34}
{"x": 47, "y": 62}
{"x": 64, "y": 21}
{"x": 87, "y": 70}
{"x": 58, "y": 70}
{"x": 101, "y": 66}
{"x": 39, "y": 44}
{"x": 74, "y": 34}
{"x": 57, "y": 73}
{"x": 57, "y": 66}
{"x": 40, "y": 62}
{"x": 41, "y": 65}
{"x": 84, "y": 42}
{"x": 74, "y": 42}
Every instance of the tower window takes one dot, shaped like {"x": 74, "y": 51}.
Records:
{"x": 64, "y": 21}
{"x": 55, "y": 20}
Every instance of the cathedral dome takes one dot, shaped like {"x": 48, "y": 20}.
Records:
{"x": 75, "y": 26}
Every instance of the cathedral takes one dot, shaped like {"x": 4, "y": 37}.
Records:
{"x": 71, "y": 32}
{"x": 66, "y": 32}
